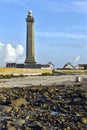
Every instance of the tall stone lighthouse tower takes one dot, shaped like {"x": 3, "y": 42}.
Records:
{"x": 30, "y": 54}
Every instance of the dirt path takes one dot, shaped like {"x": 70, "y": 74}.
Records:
{"x": 38, "y": 80}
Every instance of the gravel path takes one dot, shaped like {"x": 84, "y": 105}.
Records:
{"x": 38, "y": 80}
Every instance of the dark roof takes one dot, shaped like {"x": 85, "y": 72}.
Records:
{"x": 10, "y": 64}
{"x": 46, "y": 65}
{"x": 19, "y": 65}
{"x": 82, "y": 65}
{"x": 50, "y": 63}
{"x": 68, "y": 64}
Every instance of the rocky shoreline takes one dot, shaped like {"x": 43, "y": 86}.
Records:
{"x": 55, "y": 107}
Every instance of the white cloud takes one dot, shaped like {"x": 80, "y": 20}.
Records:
{"x": 62, "y": 34}
{"x": 77, "y": 59}
{"x": 8, "y": 53}
{"x": 19, "y": 50}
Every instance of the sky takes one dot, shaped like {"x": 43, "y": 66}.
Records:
{"x": 60, "y": 31}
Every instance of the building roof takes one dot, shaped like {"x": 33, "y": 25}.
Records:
{"x": 82, "y": 65}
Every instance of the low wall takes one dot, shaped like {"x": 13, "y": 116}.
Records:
{"x": 24, "y": 71}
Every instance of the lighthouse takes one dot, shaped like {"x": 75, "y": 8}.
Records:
{"x": 30, "y": 52}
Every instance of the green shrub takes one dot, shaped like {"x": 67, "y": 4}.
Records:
{"x": 1, "y": 76}
{"x": 12, "y": 75}
{"x": 21, "y": 75}
{"x": 47, "y": 74}
{"x": 6, "y": 76}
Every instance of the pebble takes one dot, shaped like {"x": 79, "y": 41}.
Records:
{"x": 20, "y": 122}
{"x": 11, "y": 128}
{"x": 84, "y": 120}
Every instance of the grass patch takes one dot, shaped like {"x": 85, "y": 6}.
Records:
{"x": 8, "y": 76}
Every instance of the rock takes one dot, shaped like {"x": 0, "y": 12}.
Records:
{"x": 10, "y": 123}
{"x": 84, "y": 120}
{"x": 68, "y": 105}
{"x": 63, "y": 120}
{"x": 46, "y": 94}
{"x": 51, "y": 90}
{"x": 78, "y": 79}
{"x": 84, "y": 95}
{"x": 20, "y": 122}
{"x": 28, "y": 117}
{"x": 11, "y": 128}
{"x": 7, "y": 109}
{"x": 18, "y": 102}
{"x": 63, "y": 111}
{"x": 27, "y": 128}
{"x": 77, "y": 99}
{"x": 77, "y": 114}
{"x": 36, "y": 127}
{"x": 16, "y": 109}
{"x": 68, "y": 128}
{"x": 44, "y": 106}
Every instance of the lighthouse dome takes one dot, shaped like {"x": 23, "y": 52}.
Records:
{"x": 30, "y": 13}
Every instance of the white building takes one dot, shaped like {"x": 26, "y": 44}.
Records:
{"x": 68, "y": 66}
{"x": 81, "y": 66}
{"x": 49, "y": 65}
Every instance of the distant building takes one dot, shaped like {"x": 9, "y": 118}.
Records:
{"x": 81, "y": 66}
{"x": 37, "y": 66}
{"x": 11, "y": 65}
{"x": 68, "y": 66}
{"x": 20, "y": 65}
{"x": 51, "y": 65}
{"x": 14, "y": 65}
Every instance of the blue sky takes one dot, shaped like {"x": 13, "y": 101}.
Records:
{"x": 60, "y": 30}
